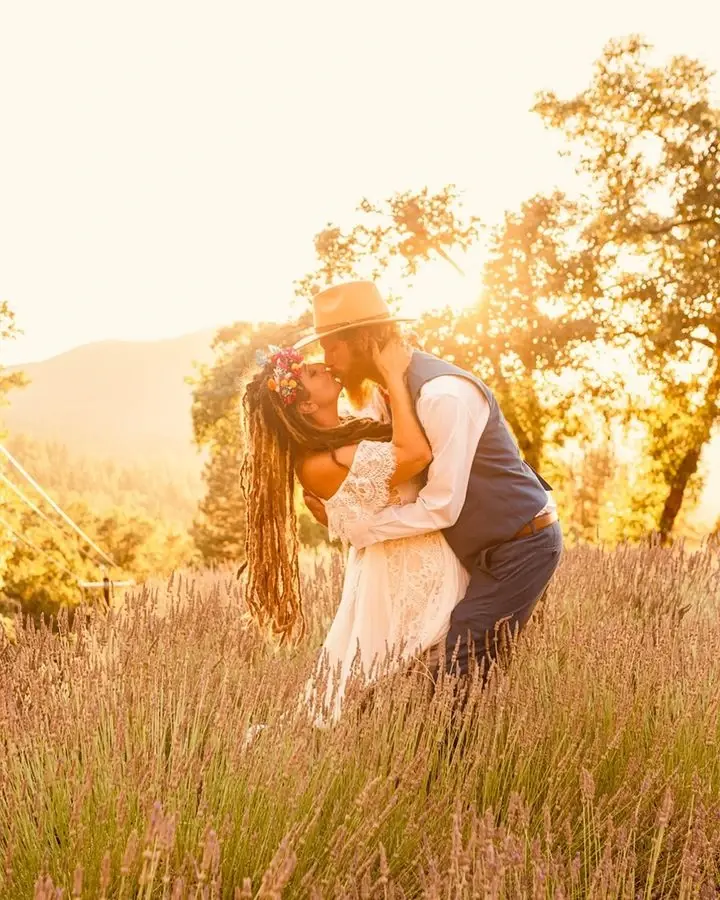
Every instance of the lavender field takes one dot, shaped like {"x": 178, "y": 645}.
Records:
{"x": 589, "y": 768}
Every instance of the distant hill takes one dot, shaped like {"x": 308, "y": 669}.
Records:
{"x": 122, "y": 399}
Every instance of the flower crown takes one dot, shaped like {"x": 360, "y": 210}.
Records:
{"x": 286, "y": 364}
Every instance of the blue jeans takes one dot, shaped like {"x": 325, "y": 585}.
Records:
{"x": 506, "y": 582}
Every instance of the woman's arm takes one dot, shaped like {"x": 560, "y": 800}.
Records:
{"x": 322, "y": 474}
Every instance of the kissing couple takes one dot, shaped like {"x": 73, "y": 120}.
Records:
{"x": 453, "y": 537}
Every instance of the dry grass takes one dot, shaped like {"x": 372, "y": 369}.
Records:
{"x": 590, "y": 769}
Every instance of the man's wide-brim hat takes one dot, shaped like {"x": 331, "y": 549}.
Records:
{"x": 346, "y": 306}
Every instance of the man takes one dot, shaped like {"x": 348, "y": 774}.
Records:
{"x": 494, "y": 510}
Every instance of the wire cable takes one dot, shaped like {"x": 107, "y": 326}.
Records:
{"x": 57, "y": 509}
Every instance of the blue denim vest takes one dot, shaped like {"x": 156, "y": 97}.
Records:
{"x": 504, "y": 492}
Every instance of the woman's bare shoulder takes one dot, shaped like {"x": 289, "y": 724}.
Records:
{"x": 323, "y": 473}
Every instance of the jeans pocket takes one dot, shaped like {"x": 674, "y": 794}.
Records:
{"x": 483, "y": 562}
{"x": 542, "y": 549}
{"x": 501, "y": 561}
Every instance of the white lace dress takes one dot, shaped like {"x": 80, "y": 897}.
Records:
{"x": 397, "y": 595}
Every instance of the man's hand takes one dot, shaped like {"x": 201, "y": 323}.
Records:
{"x": 393, "y": 360}
{"x": 316, "y": 507}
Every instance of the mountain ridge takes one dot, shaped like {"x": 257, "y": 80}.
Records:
{"x": 129, "y": 399}
{"x": 203, "y": 333}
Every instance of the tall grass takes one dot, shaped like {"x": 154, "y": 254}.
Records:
{"x": 590, "y": 768}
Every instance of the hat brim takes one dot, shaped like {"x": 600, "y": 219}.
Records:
{"x": 374, "y": 320}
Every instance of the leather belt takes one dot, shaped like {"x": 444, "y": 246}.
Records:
{"x": 537, "y": 524}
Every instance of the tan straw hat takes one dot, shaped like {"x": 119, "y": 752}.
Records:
{"x": 346, "y": 306}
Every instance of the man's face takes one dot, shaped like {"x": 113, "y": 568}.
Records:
{"x": 348, "y": 364}
{"x": 340, "y": 359}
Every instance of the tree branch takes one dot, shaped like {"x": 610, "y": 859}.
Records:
{"x": 705, "y": 342}
{"x": 448, "y": 259}
{"x": 686, "y": 223}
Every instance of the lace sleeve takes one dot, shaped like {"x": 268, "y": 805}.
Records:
{"x": 366, "y": 490}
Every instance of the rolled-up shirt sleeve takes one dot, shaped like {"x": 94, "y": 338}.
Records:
{"x": 453, "y": 413}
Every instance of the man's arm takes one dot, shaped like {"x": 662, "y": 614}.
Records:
{"x": 316, "y": 508}
{"x": 453, "y": 413}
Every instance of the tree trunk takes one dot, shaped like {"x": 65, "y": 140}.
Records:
{"x": 673, "y": 503}
{"x": 707, "y": 417}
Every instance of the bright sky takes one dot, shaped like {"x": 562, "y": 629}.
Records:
{"x": 164, "y": 166}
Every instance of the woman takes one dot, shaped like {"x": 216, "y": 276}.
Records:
{"x": 398, "y": 595}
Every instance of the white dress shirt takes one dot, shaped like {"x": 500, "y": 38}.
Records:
{"x": 453, "y": 412}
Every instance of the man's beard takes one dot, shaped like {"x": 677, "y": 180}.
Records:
{"x": 358, "y": 393}
{"x": 358, "y": 386}
{"x": 358, "y": 389}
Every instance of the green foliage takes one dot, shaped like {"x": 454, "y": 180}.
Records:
{"x": 532, "y": 324}
{"x": 218, "y": 531}
{"x": 586, "y": 484}
{"x": 648, "y": 140}
{"x": 137, "y": 514}
{"x": 403, "y": 233}
{"x": 43, "y": 566}
{"x": 8, "y": 331}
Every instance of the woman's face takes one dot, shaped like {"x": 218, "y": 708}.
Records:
{"x": 322, "y": 389}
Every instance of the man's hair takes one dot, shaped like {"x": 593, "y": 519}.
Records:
{"x": 382, "y": 332}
